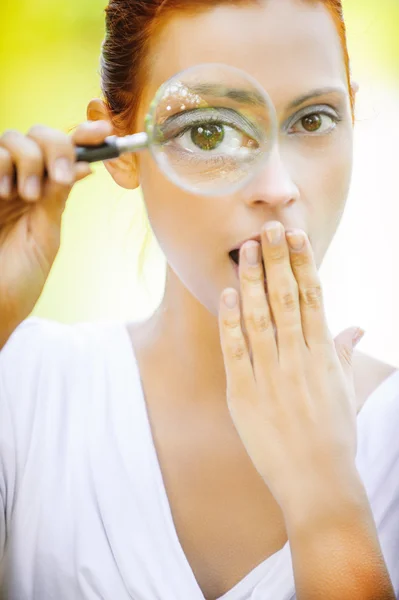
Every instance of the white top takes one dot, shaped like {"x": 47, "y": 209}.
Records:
{"x": 84, "y": 513}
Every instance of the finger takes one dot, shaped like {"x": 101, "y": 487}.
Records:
{"x": 59, "y": 154}
{"x": 256, "y": 312}
{"x": 28, "y": 160}
{"x": 283, "y": 292}
{"x": 239, "y": 373}
{"x": 314, "y": 322}
{"x": 91, "y": 133}
{"x": 82, "y": 170}
{"x": 6, "y": 174}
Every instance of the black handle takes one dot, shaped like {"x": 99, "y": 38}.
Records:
{"x": 92, "y": 154}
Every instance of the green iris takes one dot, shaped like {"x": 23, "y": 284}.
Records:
{"x": 207, "y": 136}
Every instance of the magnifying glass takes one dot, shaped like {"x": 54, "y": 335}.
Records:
{"x": 209, "y": 128}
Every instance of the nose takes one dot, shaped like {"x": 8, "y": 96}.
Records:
{"x": 273, "y": 185}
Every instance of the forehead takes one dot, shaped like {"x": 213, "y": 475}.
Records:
{"x": 289, "y": 46}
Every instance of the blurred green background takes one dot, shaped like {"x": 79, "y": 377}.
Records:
{"x": 49, "y": 58}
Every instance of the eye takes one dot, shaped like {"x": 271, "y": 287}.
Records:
{"x": 220, "y": 137}
{"x": 211, "y": 132}
{"x": 208, "y": 136}
{"x": 315, "y": 122}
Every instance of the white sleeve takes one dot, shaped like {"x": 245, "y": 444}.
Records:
{"x": 7, "y": 461}
{"x": 20, "y": 369}
{"x": 38, "y": 365}
{"x": 378, "y": 465}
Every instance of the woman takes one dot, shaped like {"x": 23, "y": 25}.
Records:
{"x": 208, "y": 452}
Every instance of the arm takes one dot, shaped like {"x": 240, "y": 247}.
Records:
{"x": 335, "y": 550}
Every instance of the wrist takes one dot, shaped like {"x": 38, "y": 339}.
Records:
{"x": 325, "y": 501}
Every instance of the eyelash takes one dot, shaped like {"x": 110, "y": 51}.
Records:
{"x": 335, "y": 117}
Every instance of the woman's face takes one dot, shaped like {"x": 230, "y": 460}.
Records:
{"x": 293, "y": 50}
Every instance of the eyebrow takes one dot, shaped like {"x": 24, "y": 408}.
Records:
{"x": 223, "y": 91}
{"x": 255, "y": 98}
{"x": 316, "y": 93}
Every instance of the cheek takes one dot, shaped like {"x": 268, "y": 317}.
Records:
{"x": 326, "y": 179}
{"x": 166, "y": 204}
{"x": 187, "y": 229}
{"x": 178, "y": 219}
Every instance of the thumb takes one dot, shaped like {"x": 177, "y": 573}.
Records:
{"x": 345, "y": 343}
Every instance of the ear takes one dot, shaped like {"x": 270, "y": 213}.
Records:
{"x": 355, "y": 87}
{"x": 123, "y": 169}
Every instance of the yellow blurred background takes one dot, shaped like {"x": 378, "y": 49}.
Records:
{"x": 49, "y": 59}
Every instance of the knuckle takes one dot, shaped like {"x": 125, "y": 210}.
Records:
{"x": 9, "y": 134}
{"x": 237, "y": 351}
{"x": 285, "y": 299}
{"x": 258, "y": 320}
{"x": 58, "y": 140}
{"x": 231, "y": 323}
{"x": 31, "y": 158}
{"x": 23, "y": 149}
{"x": 299, "y": 260}
{"x": 39, "y": 130}
{"x": 278, "y": 255}
{"x": 312, "y": 296}
{"x": 252, "y": 277}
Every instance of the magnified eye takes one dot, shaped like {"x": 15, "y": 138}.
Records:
{"x": 209, "y": 132}
{"x": 208, "y": 137}
{"x": 211, "y": 128}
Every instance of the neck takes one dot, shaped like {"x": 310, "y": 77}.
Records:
{"x": 185, "y": 335}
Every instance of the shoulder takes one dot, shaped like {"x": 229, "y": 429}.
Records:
{"x": 369, "y": 374}
{"x": 37, "y": 340}
{"x": 53, "y": 373}
{"x": 34, "y": 342}
{"x": 43, "y": 357}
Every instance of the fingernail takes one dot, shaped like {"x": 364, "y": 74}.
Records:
{"x": 358, "y": 337}
{"x": 274, "y": 233}
{"x": 31, "y": 189}
{"x": 296, "y": 240}
{"x": 63, "y": 170}
{"x": 252, "y": 254}
{"x": 230, "y": 299}
{"x": 5, "y": 186}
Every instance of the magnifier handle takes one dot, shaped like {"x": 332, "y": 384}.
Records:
{"x": 109, "y": 149}
{"x": 112, "y": 147}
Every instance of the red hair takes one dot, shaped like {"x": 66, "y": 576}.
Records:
{"x": 130, "y": 27}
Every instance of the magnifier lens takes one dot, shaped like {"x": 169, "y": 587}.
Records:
{"x": 211, "y": 128}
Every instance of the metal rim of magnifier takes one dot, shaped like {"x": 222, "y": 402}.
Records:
{"x": 149, "y": 127}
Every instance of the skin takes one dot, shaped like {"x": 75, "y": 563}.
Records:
{"x": 304, "y": 185}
